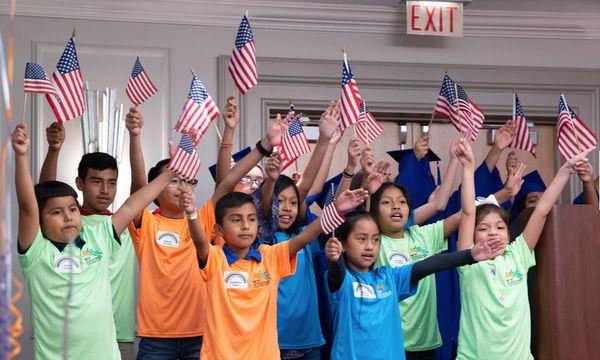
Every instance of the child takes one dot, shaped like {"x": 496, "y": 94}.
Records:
{"x": 495, "y": 321}
{"x": 364, "y": 302}
{"x": 403, "y": 244}
{"x": 242, "y": 280}
{"x": 97, "y": 180}
{"x": 53, "y": 245}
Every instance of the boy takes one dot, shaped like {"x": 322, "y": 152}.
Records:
{"x": 57, "y": 251}
{"x": 242, "y": 280}
{"x": 172, "y": 296}
{"x": 97, "y": 179}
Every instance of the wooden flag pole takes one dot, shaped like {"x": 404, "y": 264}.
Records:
{"x": 333, "y": 192}
{"x": 74, "y": 33}
{"x": 24, "y": 107}
{"x": 459, "y": 112}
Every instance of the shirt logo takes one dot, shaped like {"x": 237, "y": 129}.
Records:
{"x": 417, "y": 253}
{"x": 363, "y": 291}
{"x": 91, "y": 256}
{"x": 397, "y": 259}
{"x": 263, "y": 279}
{"x": 66, "y": 263}
{"x": 235, "y": 279}
{"x": 513, "y": 277}
{"x": 167, "y": 239}
{"x": 492, "y": 269}
{"x": 382, "y": 292}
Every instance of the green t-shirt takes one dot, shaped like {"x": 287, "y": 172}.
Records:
{"x": 419, "y": 312}
{"x": 46, "y": 268}
{"x": 121, "y": 269}
{"x": 495, "y": 322}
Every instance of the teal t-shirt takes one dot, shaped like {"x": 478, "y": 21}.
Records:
{"x": 495, "y": 321}
{"x": 419, "y": 312}
{"x": 46, "y": 267}
{"x": 121, "y": 269}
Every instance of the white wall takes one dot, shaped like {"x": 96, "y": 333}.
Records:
{"x": 490, "y": 66}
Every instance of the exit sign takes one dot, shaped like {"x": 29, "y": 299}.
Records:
{"x": 434, "y": 18}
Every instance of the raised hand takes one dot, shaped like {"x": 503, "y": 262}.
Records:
{"x": 350, "y": 199}
{"x": 20, "y": 140}
{"x": 367, "y": 160}
{"x": 421, "y": 147}
{"x": 330, "y": 120}
{"x": 277, "y": 129}
{"x": 486, "y": 250}
{"x": 577, "y": 161}
{"x": 515, "y": 180}
{"x": 511, "y": 161}
{"x": 134, "y": 121}
{"x": 231, "y": 114}
{"x": 187, "y": 198}
{"x": 354, "y": 152}
{"x": 377, "y": 177}
{"x": 333, "y": 249}
{"x": 337, "y": 136}
{"x": 505, "y": 135}
{"x": 464, "y": 153}
{"x": 273, "y": 167}
{"x": 55, "y": 134}
{"x": 585, "y": 171}
{"x": 452, "y": 150}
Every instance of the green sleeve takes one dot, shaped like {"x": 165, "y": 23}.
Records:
{"x": 29, "y": 258}
{"x": 524, "y": 256}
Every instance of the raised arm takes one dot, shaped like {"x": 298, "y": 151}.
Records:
{"x": 440, "y": 200}
{"x": 354, "y": 153}
{"x": 336, "y": 269}
{"x": 55, "y": 135}
{"x": 136, "y": 203}
{"x": 187, "y": 201}
{"x": 273, "y": 170}
{"x": 231, "y": 117}
{"x": 29, "y": 222}
{"x": 586, "y": 175}
{"x": 249, "y": 161}
{"x": 467, "y": 213}
{"x": 321, "y": 177}
{"x": 346, "y": 201}
{"x": 134, "y": 121}
{"x": 536, "y": 222}
{"x": 513, "y": 184}
{"x": 502, "y": 140}
{"x": 327, "y": 127}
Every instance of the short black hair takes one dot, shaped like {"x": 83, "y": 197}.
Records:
{"x": 376, "y": 197}
{"x": 283, "y": 182}
{"x": 155, "y": 171}
{"x": 232, "y": 200}
{"x": 344, "y": 230}
{"x": 97, "y": 161}
{"x": 51, "y": 189}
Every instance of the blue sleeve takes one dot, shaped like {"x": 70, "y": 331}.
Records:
{"x": 401, "y": 277}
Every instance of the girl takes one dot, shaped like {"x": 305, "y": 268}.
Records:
{"x": 364, "y": 302}
{"x": 403, "y": 243}
{"x": 495, "y": 321}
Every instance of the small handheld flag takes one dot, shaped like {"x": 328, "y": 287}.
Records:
{"x": 294, "y": 142}
{"x": 242, "y": 65}
{"x": 185, "y": 162}
{"x": 351, "y": 100}
{"x": 574, "y": 135}
{"x": 522, "y": 138}
{"x": 198, "y": 111}
{"x": 454, "y": 104}
{"x": 36, "y": 81}
{"x": 367, "y": 128}
{"x": 139, "y": 87}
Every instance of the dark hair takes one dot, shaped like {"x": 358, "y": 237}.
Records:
{"x": 97, "y": 161}
{"x": 232, "y": 200}
{"x": 344, "y": 230}
{"x": 486, "y": 209}
{"x": 283, "y": 182}
{"x": 51, "y": 189}
{"x": 376, "y": 197}
{"x": 155, "y": 171}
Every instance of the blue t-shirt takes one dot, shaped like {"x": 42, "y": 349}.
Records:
{"x": 366, "y": 315}
{"x": 298, "y": 325}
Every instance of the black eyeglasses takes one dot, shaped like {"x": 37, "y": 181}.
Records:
{"x": 178, "y": 181}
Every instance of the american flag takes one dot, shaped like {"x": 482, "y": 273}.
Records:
{"x": 367, "y": 127}
{"x": 574, "y": 135}
{"x": 242, "y": 65}
{"x": 522, "y": 138}
{"x": 330, "y": 195}
{"x": 464, "y": 114}
{"x": 36, "y": 81}
{"x": 331, "y": 218}
{"x": 139, "y": 87}
{"x": 185, "y": 162}
{"x": 198, "y": 111}
{"x": 351, "y": 100}
{"x": 68, "y": 83}
{"x": 294, "y": 143}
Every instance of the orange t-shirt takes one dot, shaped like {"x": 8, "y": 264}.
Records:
{"x": 172, "y": 294}
{"x": 241, "y": 317}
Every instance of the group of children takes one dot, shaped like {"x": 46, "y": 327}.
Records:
{"x": 240, "y": 277}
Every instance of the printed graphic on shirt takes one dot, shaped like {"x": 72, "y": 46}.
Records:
{"x": 65, "y": 264}
{"x": 91, "y": 256}
{"x": 492, "y": 269}
{"x": 168, "y": 239}
{"x": 417, "y": 253}
{"x": 235, "y": 279}
{"x": 513, "y": 277}
{"x": 382, "y": 291}
{"x": 261, "y": 279}
{"x": 363, "y": 291}
{"x": 397, "y": 259}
